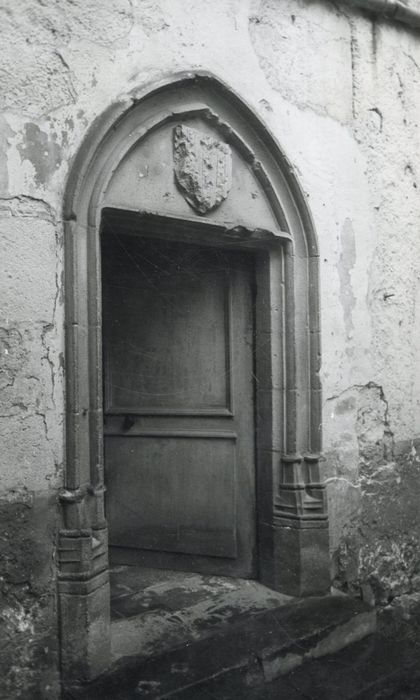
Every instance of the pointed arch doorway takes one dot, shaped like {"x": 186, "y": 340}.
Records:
{"x": 213, "y": 457}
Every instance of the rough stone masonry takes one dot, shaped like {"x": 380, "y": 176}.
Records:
{"x": 338, "y": 86}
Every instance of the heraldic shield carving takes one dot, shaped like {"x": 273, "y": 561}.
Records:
{"x": 203, "y": 168}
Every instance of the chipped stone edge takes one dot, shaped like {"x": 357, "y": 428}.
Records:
{"x": 347, "y": 633}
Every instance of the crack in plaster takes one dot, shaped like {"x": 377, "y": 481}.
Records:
{"x": 46, "y": 329}
{"x": 413, "y": 60}
{"x": 335, "y": 479}
{"x": 352, "y": 387}
{"x": 43, "y": 415}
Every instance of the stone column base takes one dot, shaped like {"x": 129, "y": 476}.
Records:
{"x": 301, "y": 561}
{"x": 84, "y": 627}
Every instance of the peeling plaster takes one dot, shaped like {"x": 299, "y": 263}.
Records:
{"x": 373, "y": 507}
{"x": 26, "y": 207}
{"x": 12, "y": 356}
{"x": 360, "y": 437}
{"x": 320, "y": 82}
{"x": 42, "y": 151}
{"x": 6, "y": 132}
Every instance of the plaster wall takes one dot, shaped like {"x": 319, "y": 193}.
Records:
{"x": 340, "y": 92}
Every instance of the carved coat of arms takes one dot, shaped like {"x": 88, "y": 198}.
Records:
{"x": 203, "y": 168}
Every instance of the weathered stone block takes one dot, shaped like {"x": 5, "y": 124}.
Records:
{"x": 84, "y": 628}
{"x": 302, "y": 560}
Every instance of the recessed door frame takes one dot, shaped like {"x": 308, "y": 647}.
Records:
{"x": 291, "y": 510}
{"x": 269, "y": 261}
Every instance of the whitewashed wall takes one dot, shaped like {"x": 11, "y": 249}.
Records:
{"x": 341, "y": 94}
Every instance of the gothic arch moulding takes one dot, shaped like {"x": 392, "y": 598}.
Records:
{"x": 125, "y": 172}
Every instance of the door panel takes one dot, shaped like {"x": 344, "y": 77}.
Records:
{"x": 189, "y": 505}
{"x": 179, "y": 416}
{"x": 154, "y": 326}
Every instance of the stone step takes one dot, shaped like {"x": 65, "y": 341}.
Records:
{"x": 259, "y": 649}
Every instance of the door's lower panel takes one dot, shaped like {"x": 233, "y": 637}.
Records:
{"x": 172, "y": 494}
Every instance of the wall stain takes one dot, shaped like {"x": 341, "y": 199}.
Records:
{"x": 44, "y": 153}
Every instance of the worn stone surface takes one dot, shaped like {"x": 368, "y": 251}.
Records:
{"x": 383, "y": 665}
{"x": 156, "y": 610}
{"x": 213, "y": 626}
{"x": 339, "y": 89}
{"x": 28, "y": 625}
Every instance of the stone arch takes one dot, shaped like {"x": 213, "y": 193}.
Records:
{"x": 293, "y": 532}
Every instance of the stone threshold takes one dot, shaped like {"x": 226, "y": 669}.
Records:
{"x": 267, "y": 636}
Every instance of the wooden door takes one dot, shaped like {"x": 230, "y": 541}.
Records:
{"x": 178, "y": 405}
